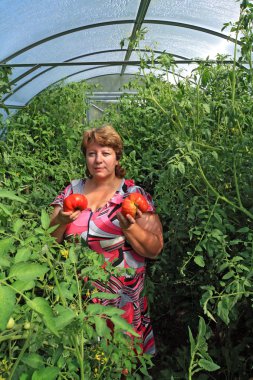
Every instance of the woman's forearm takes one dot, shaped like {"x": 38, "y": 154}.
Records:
{"x": 145, "y": 243}
{"x": 60, "y": 230}
{"x": 61, "y": 218}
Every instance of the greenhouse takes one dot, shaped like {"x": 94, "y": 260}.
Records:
{"x": 141, "y": 101}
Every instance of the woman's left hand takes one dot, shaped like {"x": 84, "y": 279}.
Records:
{"x": 144, "y": 233}
{"x": 126, "y": 221}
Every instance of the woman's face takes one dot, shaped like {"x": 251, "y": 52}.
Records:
{"x": 101, "y": 160}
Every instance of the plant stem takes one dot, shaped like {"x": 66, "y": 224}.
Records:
{"x": 23, "y": 349}
{"x": 236, "y": 184}
{"x": 63, "y": 299}
{"x": 81, "y": 338}
{"x": 222, "y": 197}
{"x": 201, "y": 238}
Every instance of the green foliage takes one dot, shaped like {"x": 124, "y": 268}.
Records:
{"x": 56, "y": 331}
{"x": 189, "y": 144}
{"x": 200, "y": 359}
{"x": 42, "y": 148}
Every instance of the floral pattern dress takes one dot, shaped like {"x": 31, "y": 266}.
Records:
{"x": 102, "y": 233}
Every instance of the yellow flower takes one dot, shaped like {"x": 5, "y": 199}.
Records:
{"x": 64, "y": 253}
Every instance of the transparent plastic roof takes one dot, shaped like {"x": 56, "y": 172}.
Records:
{"x": 46, "y": 41}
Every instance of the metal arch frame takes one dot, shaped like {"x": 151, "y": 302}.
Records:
{"x": 94, "y": 77}
{"x": 99, "y": 65}
{"x": 78, "y": 72}
{"x": 69, "y": 62}
{"x": 118, "y": 22}
{"x": 66, "y": 63}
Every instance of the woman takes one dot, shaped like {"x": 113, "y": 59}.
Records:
{"x": 125, "y": 240}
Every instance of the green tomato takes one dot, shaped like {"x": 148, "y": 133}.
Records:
{"x": 27, "y": 325}
{"x": 10, "y": 323}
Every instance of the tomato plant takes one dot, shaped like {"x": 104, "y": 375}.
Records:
{"x": 75, "y": 202}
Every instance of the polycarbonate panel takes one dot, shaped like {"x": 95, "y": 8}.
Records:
{"x": 39, "y": 84}
{"x": 169, "y": 77}
{"x": 95, "y": 73}
{"x": 186, "y": 42}
{"x": 26, "y": 22}
{"x": 76, "y": 44}
{"x": 110, "y": 83}
{"x": 23, "y": 22}
{"x": 116, "y": 56}
{"x": 210, "y": 14}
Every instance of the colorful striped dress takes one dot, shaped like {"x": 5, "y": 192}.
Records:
{"x": 101, "y": 230}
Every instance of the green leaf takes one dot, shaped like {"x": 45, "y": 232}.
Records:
{"x": 199, "y": 260}
{"x": 11, "y": 195}
{"x": 24, "y": 376}
{"x": 5, "y": 261}
{"x": 201, "y": 327}
{"x": 6, "y": 210}
{"x": 49, "y": 373}
{"x": 106, "y": 296}
{"x": 228, "y": 275}
{"x": 23, "y": 254}
{"x": 41, "y": 306}
{"x": 7, "y": 305}
{"x": 224, "y": 306}
{"x": 123, "y": 324}
{"x": 106, "y": 310}
{"x": 45, "y": 220}
{"x": 5, "y": 245}
{"x": 192, "y": 342}
{"x": 206, "y": 107}
{"x": 243, "y": 230}
{"x": 28, "y": 271}
{"x": 101, "y": 327}
{"x": 181, "y": 167}
{"x": 17, "y": 225}
{"x": 65, "y": 317}
{"x": 65, "y": 291}
{"x": 209, "y": 366}
{"x": 22, "y": 286}
{"x": 33, "y": 360}
{"x": 30, "y": 139}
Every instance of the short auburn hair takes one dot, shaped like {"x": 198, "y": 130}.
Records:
{"x": 105, "y": 136}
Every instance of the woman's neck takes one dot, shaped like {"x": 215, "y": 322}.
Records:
{"x": 110, "y": 182}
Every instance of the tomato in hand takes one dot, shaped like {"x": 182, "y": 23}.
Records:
{"x": 132, "y": 202}
{"x": 75, "y": 202}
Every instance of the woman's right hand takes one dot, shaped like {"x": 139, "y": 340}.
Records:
{"x": 66, "y": 217}
{"x": 62, "y": 219}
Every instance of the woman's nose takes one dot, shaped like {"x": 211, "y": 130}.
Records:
{"x": 98, "y": 157}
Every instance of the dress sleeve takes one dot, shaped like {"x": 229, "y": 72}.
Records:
{"x": 58, "y": 201}
{"x": 138, "y": 189}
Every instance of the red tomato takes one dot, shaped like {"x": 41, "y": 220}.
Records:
{"x": 130, "y": 204}
{"x": 75, "y": 202}
{"x": 128, "y": 207}
{"x": 139, "y": 200}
